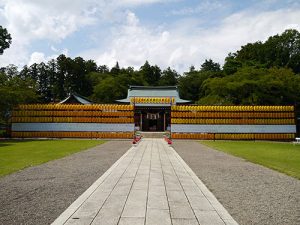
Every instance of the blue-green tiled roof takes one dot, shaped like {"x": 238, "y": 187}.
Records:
{"x": 80, "y": 99}
{"x": 153, "y": 91}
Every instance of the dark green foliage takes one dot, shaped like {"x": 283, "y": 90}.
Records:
{"x": 278, "y": 51}
{"x": 14, "y": 91}
{"x": 252, "y": 86}
{"x": 211, "y": 66}
{"x": 5, "y": 39}
{"x": 169, "y": 77}
{"x": 151, "y": 74}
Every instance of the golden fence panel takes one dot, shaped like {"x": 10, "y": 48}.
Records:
{"x": 233, "y": 108}
{"x": 103, "y": 107}
{"x": 54, "y": 134}
{"x": 234, "y": 121}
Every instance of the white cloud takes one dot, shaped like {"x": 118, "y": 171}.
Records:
{"x": 133, "y": 43}
{"x": 29, "y": 21}
{"x": 178, "y": 44}
{"x": 202, "y": 7}
{"x": 137, "y": 2}
{"x": 38, "y": 57}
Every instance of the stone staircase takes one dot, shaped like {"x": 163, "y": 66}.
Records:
{"x": 152, "y": 134}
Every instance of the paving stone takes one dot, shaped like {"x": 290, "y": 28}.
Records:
{"x": 181, "y": 210}
{"x": 156, "y": 201}
{"x": 107, "y": 216}
{"x": 125, "y": 181}
{"x": 121, "y": 190}
{"x": 88, "y": 209}
{"x": 111, "y": 211}
{"x": 193, "y": 191}
{"x": 116, "y": 202}
{"x": 131, "y": 221}
{"x": 136, "y": 204}
{"x": 176, "y": 196}
{"x": 181, "y": 221}
{"x": 158, "y": 216}
{"x": 173, "y": 187}
{"x": 140, "y": 185}
{"x": 208, "y": 218}
{"x": 200, "y": 202}
{"x": 160, "y": 190}
{"x": 79, "y": 221}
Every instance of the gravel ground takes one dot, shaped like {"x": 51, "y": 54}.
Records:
{"x": 252, "y": 194}
{"x": 38, "y": 195}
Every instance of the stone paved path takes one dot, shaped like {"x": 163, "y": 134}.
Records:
{"x": 149, "y": 184}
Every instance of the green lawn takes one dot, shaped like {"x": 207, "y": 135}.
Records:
{"x": 284, "y": 157}
{"x": 16, "y": 155}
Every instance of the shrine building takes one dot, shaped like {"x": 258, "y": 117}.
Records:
{"x": 152, "y": 106}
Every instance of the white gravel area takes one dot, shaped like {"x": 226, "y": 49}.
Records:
{"x": 253, "y": 194}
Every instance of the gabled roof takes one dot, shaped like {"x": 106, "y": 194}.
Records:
{"x": 76, "y": 98}
{"x": 153, "y": 91}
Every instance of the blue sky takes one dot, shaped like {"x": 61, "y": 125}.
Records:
{"x": 175, "y": 33}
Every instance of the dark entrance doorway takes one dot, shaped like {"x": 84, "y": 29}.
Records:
{"x": 152, "y": 119}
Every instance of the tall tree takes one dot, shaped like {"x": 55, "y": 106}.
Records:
{"x": 5, "y": 39}
{"x": 190, "y": 83}
{"x": 150, "y": 73}
{"x": 14, "y": 91}
{"x": 278, "y": 51}
{"x": 169, "y": 77}
{"x": 116, "y": 69}
{"x": 59, "y": 88}
{"x": 210, "y": 65}
{"x": 259, "y": 86}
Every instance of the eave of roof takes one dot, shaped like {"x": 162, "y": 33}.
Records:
{"x": 153, "y": 91}
{"x": 79, "y": 98}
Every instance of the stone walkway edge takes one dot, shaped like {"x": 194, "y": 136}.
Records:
{"x": 149, "y": 185}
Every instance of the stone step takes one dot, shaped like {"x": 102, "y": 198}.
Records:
{"x": 152, "y": 134}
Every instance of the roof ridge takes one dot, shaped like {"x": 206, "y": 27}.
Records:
{"x": 153, "y": 87}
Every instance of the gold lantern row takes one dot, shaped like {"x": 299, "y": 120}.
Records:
{"x": 72, "y": 120}
{"x": 92, "y": 107}
{"x": 234, "y": 121}
{"x": 152, "y": 100}
{"x": 209, "y": 136}
{"x": 197, "y": 114}
{"x": 233, "y": 108}
{"x": 58, "y": 134}
{"x": 68, "y": 113}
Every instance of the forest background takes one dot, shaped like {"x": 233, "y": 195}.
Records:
{"x": 260, "y": 73}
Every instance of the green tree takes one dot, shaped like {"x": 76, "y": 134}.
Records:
{"x": 60, "y": 89}
{"x": 107, "y": 90}
{"x": 5, "y": 39}
{"x": 278, "y": 51}
{"x": 210, "y": 65}
{"x": 116, "y": 69}
{"x": 151, "y": 74}
{"x": 190, "y": 83}
{"x": 14, "y": 91}
{"x": 231, "y": 64}
{"x": 169, "y": 77}
{"x": 251, "y": 85}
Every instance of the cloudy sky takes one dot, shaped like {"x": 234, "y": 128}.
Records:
{"x": 175, "y": 33}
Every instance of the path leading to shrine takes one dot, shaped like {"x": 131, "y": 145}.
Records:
{"x": 149, "y": 184}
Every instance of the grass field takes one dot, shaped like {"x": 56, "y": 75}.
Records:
{"x": 283, "y": 157}
{"x": 16, "y": 155}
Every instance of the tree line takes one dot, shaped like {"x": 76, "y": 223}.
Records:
{"x": 260, "y": 73}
